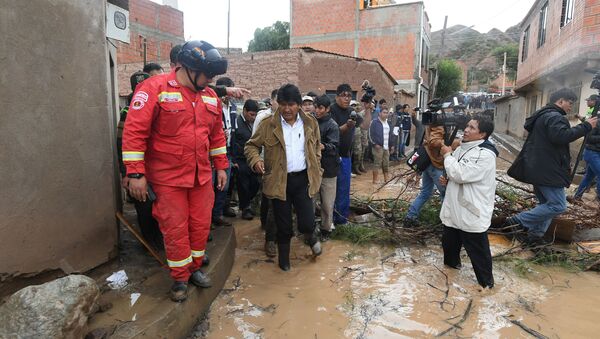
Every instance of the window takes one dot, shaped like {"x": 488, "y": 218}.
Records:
{"x": 567, "y": 12}
{"x": 525, "y": 44}
{"x": 425, "y": 55}
{"x": 532, "y": 105}
{"x": 543, "y": 25}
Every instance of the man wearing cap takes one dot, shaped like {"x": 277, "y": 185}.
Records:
{"x": 591, "y": 103}
{"x": 591, "y": 155}
{"x": 173, "y": 131}
{"x": 308, "y": 105}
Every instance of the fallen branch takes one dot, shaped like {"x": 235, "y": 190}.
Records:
{"x": 462, "y": 320}
{"x": 527, "y": 329}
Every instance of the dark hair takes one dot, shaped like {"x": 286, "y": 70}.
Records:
{"x": 174, "y": 53}
{"x": 289, "y": 93}
{"x": 224, "y": 81}
{"x": 343, "y": 88}
{"x": 406, "y": 106}
{"x": 323, "y": 100}
{"x": 484, "y": 124}
{"x": 312, "y": 94}
{"x": 274, "y": 94}
{"x": 563, "y": 93}
{"x": 382, "y": 101}
{"x": 399, "y": 107}
{"x": 152, "y": 67}
{"x": 251, "y": 105}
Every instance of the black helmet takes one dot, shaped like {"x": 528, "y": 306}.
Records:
{"x": 136, "y": 78}
{"x": 203, "y": 57}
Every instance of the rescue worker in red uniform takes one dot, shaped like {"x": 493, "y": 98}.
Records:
{"x": 172, "y": 133}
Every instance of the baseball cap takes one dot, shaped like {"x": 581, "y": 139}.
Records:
{"x": 594, "y": 97}
{"x": 262, "y": 105}
{"x": 353, "y": 102}
{"x": 307, "y": 98}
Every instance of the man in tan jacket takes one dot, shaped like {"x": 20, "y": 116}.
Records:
{"x": 291, "y": 168}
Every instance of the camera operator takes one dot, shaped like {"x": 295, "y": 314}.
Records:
{"x": 434, "y": 139}
{"x": 545, "y": 162}
{"x": 346, "y": 119}
{"x": 470, "y": 193}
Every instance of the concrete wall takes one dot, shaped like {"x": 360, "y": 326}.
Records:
{"x": 57, "y": 175}
{"x": 310, "y": 70}
{"x": 510, "y": 116}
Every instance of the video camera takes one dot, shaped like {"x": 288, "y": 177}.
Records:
{"x": 369, "y": 92}
{"x": 448, "y": 113}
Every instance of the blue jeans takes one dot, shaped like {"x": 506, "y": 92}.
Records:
{"x": 592, "y": 159}
{"x": 551, "y": 202}
{"x": 430, "y": 177}
{"x": 342, "y": 196}
{"x": 220, "y": 196}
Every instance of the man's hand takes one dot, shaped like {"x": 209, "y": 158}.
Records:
{"x": 322, "y": 147}
{"x": 350, "y": 123}
{"x": 443, "y": 180}
{"x": 138, "y": 188}
{"x": 237, "y": 92}
{"x": 125, "y": 182}
{"x": 221, "y": 180}
{"x": 445, "y": 149}
{"x": 593, "y": 121}
{"x": 259, "y": 167}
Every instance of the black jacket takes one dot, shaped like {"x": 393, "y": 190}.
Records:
{"x": 545, "y": 159}
{"x": 341, "y": 116}
{"x": 593, "y": 140}
{"x": 330, "y": 138}
{"x": 241, "y": 135}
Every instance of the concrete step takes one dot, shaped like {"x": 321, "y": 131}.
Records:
{"x": 154, "y": 315}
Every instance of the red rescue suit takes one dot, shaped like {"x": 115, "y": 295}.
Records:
{"x": 170, "y": 136}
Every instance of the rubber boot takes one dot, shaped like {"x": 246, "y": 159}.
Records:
{"x": 284, "y": 256}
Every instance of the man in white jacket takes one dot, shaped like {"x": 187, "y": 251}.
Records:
{"x": 469, "y": 202}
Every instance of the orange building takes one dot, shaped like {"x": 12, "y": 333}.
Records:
{"x": 396, "y": 35}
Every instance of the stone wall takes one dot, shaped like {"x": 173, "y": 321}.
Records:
{"x": 57, "y": 200}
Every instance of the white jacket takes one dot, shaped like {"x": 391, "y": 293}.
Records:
{"x": 471, "y": 190}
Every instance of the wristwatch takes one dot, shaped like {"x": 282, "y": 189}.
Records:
{"x": 135, "y": 175}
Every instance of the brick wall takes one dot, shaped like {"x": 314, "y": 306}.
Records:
{"x": 162, "y": 26}
{"x": 578, "y": 39}
{"x": 310, "y": 70}
{"x": 390, "y": 34}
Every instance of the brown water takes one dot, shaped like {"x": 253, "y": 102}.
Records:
{"x": 375, "y": 292}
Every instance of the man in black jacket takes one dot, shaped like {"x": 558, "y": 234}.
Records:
{"x": 545, "y": 163}
{"x": 330, "y": 162}
{"x": 248, "y": 181}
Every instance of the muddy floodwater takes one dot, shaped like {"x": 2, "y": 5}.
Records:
{"x": 375, "y": 292}
{"x": 356, "y": 291}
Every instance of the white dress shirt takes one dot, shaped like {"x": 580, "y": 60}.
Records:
{"x": 294, "y": 145}
{"x": 386, "y": 135}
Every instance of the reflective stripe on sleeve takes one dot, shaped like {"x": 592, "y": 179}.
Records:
{"x": 218, "y": 151}
{"x": 133, "y": 156}
{"x": 179, "y": 263}
{"x": 197, "y": 254}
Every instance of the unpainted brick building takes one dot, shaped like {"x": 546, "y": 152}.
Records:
{"x": 310, "y": 70}
{"x": 153, "y": 27}
{"x": 397, "y": 35}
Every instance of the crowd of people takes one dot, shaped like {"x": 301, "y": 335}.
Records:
{"x": 187, "y": 151}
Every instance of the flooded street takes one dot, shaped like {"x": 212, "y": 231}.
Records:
{"x": 356, "y": 291}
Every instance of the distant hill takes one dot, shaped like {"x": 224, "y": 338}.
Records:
{"x": 473, "y": 48}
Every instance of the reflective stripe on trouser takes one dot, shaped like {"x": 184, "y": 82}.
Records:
{"x": 183, "y": 215}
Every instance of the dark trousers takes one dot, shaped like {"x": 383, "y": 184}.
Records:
{"x": 220, "y": 196}
{"x": 148, "y": 225}
{"x": 296, "y": 197}
{"x": 247, "y": 185}
{"x": 478, "y": 249}
{"x": 267, "y": 219}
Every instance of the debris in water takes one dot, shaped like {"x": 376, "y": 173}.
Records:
{"x": 117, "y": 280}
{"x": 134, "y": 297}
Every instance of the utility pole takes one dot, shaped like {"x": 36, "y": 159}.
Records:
{"x": 228, "y": 22}
{"x": 504, "y": 75}
{"x": 444, "y": 33}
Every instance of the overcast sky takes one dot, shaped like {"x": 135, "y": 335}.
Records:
{"x": 207, "y": 19}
